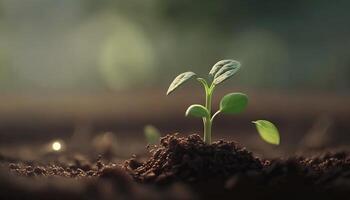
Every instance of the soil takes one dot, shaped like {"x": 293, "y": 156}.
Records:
{"x": 182, "y": 168}
{"x": 223, "y": 169}
{"x": 190, "y": 159}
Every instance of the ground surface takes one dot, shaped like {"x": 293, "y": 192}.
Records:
{"x": 180, "y": 168}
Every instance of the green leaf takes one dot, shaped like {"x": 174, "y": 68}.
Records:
{"x": 223, "y": 70}
{"x": 233, "y": 103}
{"x": 197, "y": 110}
{"x": 179, "y": 80}
{"x": 268, "y": 131}
{"x": 152, "y": 134}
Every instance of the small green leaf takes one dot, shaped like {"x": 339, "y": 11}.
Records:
{"x": 179, "y": 80}
{"x": 233, "y": 103}
{"x": 223, "y": 70}
{"x": 197, "y": 110}
{"x": 268, "y": 131}
{"x": 152, "y": 134}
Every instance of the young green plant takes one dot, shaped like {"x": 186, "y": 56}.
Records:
{"x": 152, "y": 134}
{"x": 232, "y": 103}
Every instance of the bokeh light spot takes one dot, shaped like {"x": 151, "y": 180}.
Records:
{"x": 56, "y": 146}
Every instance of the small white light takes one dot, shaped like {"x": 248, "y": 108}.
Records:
{"x": 56, "y": 146}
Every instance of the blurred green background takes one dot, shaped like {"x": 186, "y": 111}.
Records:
{"x": 93, "y": 73}
{"x": 94, "y": 46}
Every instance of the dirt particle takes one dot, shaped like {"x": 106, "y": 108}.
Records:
{"x": 13, "y": 166}
{"x": 133, "y": 163}
{"x": 39, "y": 170}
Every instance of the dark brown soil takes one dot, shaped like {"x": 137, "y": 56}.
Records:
{"x": 80, "y": 168}
{"x": 190, "y": 159}
{"x": 224, "y": 169}
{"x": 80, "y": 180}
{"x": 182, "y": 168}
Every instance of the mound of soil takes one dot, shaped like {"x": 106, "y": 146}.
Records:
{"x": 223, "y": 169}
{"x": 190, "y": 159}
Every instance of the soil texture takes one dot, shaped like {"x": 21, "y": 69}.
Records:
{"x": 181, "y": 168}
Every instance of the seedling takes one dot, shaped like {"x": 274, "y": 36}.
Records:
{"x": 152, "y": 134}
{"x": 232, "y": 103}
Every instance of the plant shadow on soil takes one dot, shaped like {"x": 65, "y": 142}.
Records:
{"x": 183, "y": 168}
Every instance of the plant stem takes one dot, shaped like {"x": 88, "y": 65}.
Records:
{"x": 207, "y": 131}
{"x": 207, "y": 121}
